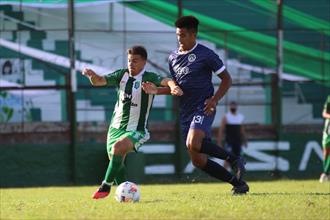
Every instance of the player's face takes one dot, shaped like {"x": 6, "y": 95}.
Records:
{"x": 186, "y": 39}
{"x": 135, "y": 63}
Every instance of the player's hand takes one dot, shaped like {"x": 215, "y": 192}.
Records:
{"x": 88, "y": 72}
{"x": 149, "y": 88}
{"x": 176, "y": 90}
{"x": 210, "y": 106}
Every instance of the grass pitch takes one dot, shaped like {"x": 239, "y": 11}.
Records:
{"x": 266, "y": 200}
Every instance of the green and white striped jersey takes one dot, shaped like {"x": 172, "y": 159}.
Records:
{"x": 133, "y": 104}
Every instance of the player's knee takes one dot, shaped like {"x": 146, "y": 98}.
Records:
{"x": 199, "y": 162}
{"x": 119, "y": 148}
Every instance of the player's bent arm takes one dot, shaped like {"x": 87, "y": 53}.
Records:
{"x": 168, "y": 82}
{"x": 163, "y": 91}
{"x": 169, "y": 88}
{"x": 224, "y": 85}
{"x": 174, "y": 88}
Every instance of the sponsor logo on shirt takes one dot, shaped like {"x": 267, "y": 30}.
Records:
{"x": 182, "y": 70}
{"x": 126, "y": 97}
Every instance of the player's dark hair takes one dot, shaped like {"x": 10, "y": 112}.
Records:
{"x": 138, "y": 50}
{"x": 189, "y": 22}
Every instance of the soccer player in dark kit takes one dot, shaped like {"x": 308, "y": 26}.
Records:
{"x": 191, "y": 66}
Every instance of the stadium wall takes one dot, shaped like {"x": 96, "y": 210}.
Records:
{"x": 297, "y": 155}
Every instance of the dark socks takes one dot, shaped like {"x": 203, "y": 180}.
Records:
{"x": 216, "y": 170}
{"x": 214, "y": 150}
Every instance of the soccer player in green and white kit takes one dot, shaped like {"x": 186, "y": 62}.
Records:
{"x": 127, "y": 131}
{"x": 326, "y": 142}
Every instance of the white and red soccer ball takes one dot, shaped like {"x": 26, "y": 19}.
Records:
{"x": 127, "y": 192}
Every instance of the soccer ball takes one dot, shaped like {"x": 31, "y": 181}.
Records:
{"x": 127, "y": 192}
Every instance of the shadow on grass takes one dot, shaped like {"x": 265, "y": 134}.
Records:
{"x": 288, "y": 194}
{"x": 153, "y": 201}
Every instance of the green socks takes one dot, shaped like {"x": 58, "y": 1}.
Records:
{"x": 121, "y": 175}
{"x": 114, "y": 167}
{"x": 326, "y": 165}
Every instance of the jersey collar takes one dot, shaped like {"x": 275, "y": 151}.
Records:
{"x": 139, "y": 75}
{"x": 185, "y": 52}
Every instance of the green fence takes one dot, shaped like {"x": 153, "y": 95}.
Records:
{"x": 298, "y": 157}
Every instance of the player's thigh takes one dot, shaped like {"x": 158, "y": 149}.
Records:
{"x": 122, "y": 146}
{"x": 203, "y": 122}
{"x": 137, "y": 138}
{"x": 118, "y": 142}
{"x": 198, "y": 159}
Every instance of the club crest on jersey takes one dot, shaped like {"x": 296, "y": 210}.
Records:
{"x": 136, "y": 84}
{"x": 191, "y": 58}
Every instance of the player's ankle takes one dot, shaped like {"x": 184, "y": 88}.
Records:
{"x": 234, "y": 181}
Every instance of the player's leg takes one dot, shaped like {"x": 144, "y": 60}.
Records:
{"x": 200, "y": 160}
{"x": 238, "y": 165}
{"x": 325, "y": 176}
{"x": 202, "y": 122}
{"x": 215, "y": 170}
{"x": 236, "y": 162}
{"x": 119, "y": 150}
{"x": 138, "y": 138}
{"x": 121, "y": 175}
{"x": 118, "y": 145}
{"x": 226, "y": 164}
{"x": 128, "y": 141}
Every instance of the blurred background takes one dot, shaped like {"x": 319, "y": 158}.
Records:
{"x": 53, "y": 124}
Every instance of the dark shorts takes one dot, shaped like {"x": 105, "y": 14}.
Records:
{"x": 198, "y": 120}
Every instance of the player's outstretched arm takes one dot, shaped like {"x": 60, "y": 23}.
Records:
{"x": 151, "y": 88}
{"x": 169, "y": 88}
{"x": 95, "y": 79}
{"x": 175, "y": 89}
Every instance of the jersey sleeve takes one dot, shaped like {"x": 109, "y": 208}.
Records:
{"x": 215, "y": 63}
{"x": 114, "y": 78}
{"x": 154, "y": 78}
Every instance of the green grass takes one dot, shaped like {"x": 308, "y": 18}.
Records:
{"x": 266, "y": 200}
